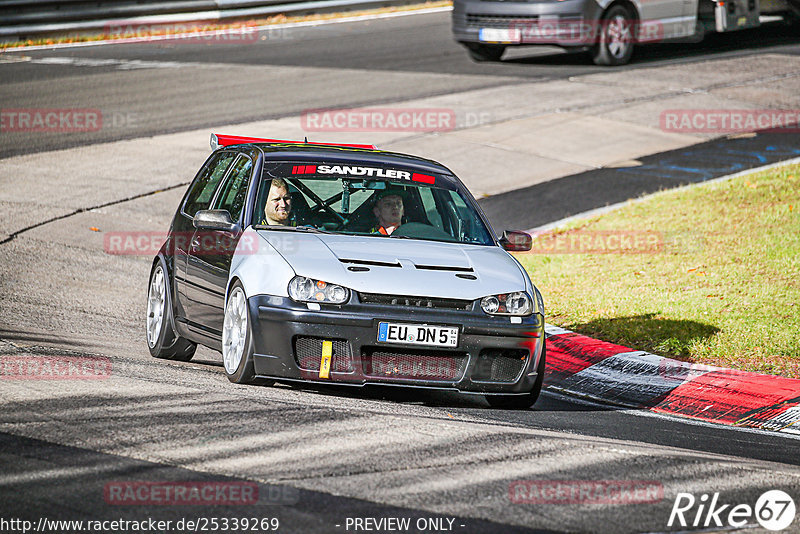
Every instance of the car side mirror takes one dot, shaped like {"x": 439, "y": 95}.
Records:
{"x": 214, "y": 220}
{"x": 516, "y": 241}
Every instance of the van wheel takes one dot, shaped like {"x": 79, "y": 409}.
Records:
{"x": 615, "y": 38}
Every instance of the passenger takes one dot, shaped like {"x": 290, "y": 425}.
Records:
{"x": 279, "y": 204}
{"x": 388, "y": 210}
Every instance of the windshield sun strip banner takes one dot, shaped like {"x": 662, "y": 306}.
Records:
{"x": 424, "y": 178}
{"x": 359, "y": 170}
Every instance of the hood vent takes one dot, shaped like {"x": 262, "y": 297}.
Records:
{"x": 444, "y": 268}
{"x": 370, "y": 263}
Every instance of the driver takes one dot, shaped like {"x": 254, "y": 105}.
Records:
{"x": 388, "y": 210}
{"x": 279, "y": 204}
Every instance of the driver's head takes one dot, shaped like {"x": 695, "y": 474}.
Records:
{"x": 279, "y": 203}
{"x": 389, "y": 209}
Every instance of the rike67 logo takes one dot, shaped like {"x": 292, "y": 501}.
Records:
{"x": 774, "y": 510}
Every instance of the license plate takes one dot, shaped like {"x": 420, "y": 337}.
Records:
{"x": 499, "y": 35}
{"x": 418, "y": 334}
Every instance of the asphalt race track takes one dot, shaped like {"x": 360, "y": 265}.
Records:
{"x": 170, "y": 87}
{"x": 320, "y": 458}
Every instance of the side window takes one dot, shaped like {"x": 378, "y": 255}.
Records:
{"x": 233, "y": 192}
{"x": 205, "y": 185}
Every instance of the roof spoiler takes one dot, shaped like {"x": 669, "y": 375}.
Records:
{"x": 219, "y": 140}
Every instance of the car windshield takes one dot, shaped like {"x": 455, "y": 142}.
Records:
{"x": 366, "y": 200}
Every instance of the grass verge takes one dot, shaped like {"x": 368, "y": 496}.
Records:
{"x": 708, "y": 274}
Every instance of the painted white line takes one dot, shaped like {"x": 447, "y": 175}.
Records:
{"x": 121, "y": 64}
{"x": 613, "y": 207}
{"x": 264, "y": 27}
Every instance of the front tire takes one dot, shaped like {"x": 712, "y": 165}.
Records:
{"x": 237, "y": 341}
{"x": 616, "y": 37}
{"x": 484, "y": 53}
{"x": 162, "y": 340}
{"x": 521, "y": 402}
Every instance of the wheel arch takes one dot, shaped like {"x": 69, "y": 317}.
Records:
{"x": 260, "y": 269}
{"x": 231, "y": 283}
{"x": 631, "y": 6}
{"x": 169, "y": 273}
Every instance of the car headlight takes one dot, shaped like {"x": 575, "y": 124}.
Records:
{"x": 304, "y": 289}
{"x": 517, "y": 303}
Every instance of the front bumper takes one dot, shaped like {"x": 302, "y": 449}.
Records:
{"x": 567, "y": 23}
{"x": 493, "y": 355}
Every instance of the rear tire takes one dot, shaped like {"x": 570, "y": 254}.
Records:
{"x": 616, "y": 37}
{"x": 484, "y": 53}
{"x": 521, "y": 402}
{"x": 162, "y": 340}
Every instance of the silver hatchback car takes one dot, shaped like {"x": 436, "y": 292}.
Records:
{"x": 343, "y": 264}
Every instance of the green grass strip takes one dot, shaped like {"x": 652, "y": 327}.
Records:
{"x": 708, "y": 274}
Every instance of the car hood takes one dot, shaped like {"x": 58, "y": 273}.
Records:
{"x": 400, "y": 266}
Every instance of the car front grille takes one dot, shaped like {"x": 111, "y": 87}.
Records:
{"x": 566, "y": 20}
{"x": 415, "y": 302}
{"x": 415, "y": 364}
{"x": 499, "y": 21}
{"x": 308, "y": 354}
{"x": 500, "y": 365}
